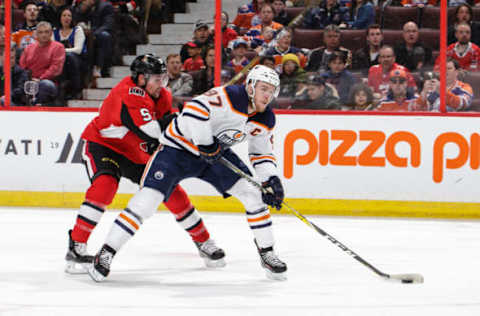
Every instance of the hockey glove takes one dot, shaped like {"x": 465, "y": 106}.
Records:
{"x": 211, "y": 153}
{"x": 165, "y": 120}
{"x": 273, "y": 194}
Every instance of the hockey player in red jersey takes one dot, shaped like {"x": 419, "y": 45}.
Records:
{"x": 191, "y": 145}
{"x": 118, "y": 143}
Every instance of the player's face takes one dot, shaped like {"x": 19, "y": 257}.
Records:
{"x": 155, "y": 84}
{"x": 264, "y": 93}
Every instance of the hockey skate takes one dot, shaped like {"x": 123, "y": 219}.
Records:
{"x": 78, "y": 261}
{"x": 100, "y": 268}
{"x": 274, "y": 267}
{"x": 211, "y": 254}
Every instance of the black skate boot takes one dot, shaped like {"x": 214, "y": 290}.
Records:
{"x": 274, "y": 267}
{"x": 78, "y": 261}
{"x": 100, "y": 268}
{"x": 211, "y": 254}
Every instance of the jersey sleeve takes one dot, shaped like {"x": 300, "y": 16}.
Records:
{"x": 138, "y": 115}
{"x": 197, "y": 113}
{"x": 260, "y": 146}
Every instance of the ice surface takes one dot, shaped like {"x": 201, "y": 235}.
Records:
{"x": 159, "y": 272}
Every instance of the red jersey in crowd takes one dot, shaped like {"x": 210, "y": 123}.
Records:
{"x": 124, "y": 113}
{"x": 193, "y": 64}
{"x": 469, "y": 59}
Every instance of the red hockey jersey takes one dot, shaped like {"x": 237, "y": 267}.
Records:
{"x": 123, "y": 117}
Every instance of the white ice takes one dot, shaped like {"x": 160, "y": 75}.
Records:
{"x": 159, "y": 271}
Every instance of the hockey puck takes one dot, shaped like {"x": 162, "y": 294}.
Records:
{"x": 407, "y": 281}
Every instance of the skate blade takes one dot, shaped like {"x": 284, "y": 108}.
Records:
{"x": 95, "y": 275}
{"x": 276, "y": 276}
{"x": 77, "y": 268}
{"x": 220, "y": 263}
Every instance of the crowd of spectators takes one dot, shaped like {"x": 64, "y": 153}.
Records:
{"x": 64, "y": 45}
{"x": 363, "y": 73}
{"x": 355, "y": 67}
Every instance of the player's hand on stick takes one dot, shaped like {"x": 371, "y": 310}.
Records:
{"x": 211, "y": 153}
{"x": 273, "y": 192}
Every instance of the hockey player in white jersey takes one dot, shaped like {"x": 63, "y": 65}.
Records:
{"x": 190, "y": 147}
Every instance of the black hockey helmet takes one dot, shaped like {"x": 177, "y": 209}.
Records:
{"x": 147, "y": 65}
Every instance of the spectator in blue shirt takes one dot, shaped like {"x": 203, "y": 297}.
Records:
{"x": 362, "y": 14}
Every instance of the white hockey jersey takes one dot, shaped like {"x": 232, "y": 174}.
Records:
{"x": 223, "y": 113}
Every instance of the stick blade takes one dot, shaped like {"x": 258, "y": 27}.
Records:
{"x": 407, "y": 277}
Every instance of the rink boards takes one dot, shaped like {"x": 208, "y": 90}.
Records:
{"x": 373, "y": 165}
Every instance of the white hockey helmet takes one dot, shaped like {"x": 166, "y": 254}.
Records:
{"x": 265, "y": 74}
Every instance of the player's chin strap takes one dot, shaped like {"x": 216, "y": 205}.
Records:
{"x": 404, "y": 278}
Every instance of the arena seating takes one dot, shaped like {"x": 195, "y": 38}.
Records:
{"x": 396, "y": 17}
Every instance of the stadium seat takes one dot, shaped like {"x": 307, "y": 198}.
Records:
{"x": 396, "y": 17}
{"x": 391, "y": 37}
{"x": 353, "y": 39}
{"x": 476, "y": 14}
{"x": 473, "y": 79}
{"x": 430, "y": 37}
{"x": 304, "y": 38}
{"x": 292, "y": 12}
{"x": 18, "y": 17}
{"x": 475, "y": 107}
{"x": 378, "y": 15}
{"x": 283, "y": 103}
{"x": 430, "y": 17}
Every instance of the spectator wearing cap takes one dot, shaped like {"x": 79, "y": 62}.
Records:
{"x": 267, "y": 12}
{"x": 318, "y": 95}
{"x": 329, "y": 12}
{"x": 292, "y": 76}
{"x": 464, "y": 51}
{"x": 362, "y": 14}
{"x": 459, "y": 94}
{"x": 318, "y": 60}
{"x": 367, "y": 56}
{"x": 338, "y": 76}
{"x": 280, "y": 13}
{"x": 45, "y": 59}
{"x": 179, "y": 82}
{"x": 195, "y": 62}
{"x": 411, "y": 53}
{"x": 283, "y": 46}
{"x": 400, "y": 98}
{"x": 379, "y": 75}
{"x": 239, "y": 60}
{"x": 201, "y": 38}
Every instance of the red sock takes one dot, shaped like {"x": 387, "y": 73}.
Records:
{"x": 186, "y": 215}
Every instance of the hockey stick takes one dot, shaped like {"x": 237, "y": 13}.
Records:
{"x": 293, "y": 23}
{"x": 404, "y": 278}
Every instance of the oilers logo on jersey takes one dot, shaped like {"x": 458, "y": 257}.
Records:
{"x": 231, "y": 137}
